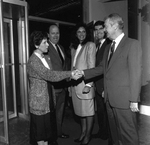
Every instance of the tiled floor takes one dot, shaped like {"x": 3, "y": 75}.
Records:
{"x": 19, "y": 131}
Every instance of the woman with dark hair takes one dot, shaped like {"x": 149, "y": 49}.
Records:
{"x": 83, "y": 57}
{"x": 41, "y": 93}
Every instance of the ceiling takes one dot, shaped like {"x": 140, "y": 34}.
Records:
{"x": 62, "y": 10}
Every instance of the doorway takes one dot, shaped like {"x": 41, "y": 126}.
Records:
{"x": 13, "y": 59}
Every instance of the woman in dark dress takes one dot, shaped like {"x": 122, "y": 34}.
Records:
{"x": 41, "y": 92}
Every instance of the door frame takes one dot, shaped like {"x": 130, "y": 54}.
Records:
{"x": 5, "y": 136}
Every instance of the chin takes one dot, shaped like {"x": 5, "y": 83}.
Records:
{"x": 46, "y": 51}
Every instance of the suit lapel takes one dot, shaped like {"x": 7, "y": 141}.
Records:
{"x": 100, "y": 52}
{"x": 62, "y": 50}
{"x": 54, "y": 51}
{"x": 73, "y": 55}
{"x": 79, "y": 54}
{"x": 117, "y": 53}
{"x": 47, "y": 58}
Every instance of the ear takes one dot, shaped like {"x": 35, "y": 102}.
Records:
{"x": 116, "y": 26}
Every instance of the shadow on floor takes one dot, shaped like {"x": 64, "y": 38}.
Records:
{"x": 19, "y": 131}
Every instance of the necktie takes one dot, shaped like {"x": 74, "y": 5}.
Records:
{"x": 111, "y": 51}
{"x": 98, "y": 46}
{"x": 60, "y": 55}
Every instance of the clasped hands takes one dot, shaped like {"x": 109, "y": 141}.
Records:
{"x": 76, "y": 74}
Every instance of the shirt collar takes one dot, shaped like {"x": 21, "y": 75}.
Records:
{"x": 53, "y": 44}
{"x": 41, "y": 56}
{"x": 118, "y": 39}
{"x": 102, "y": 41}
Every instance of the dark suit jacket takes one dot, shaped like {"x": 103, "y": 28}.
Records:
{"x": 122, "y": 78}
{"x": 57, "y": 64}
{"x": 99, "y": 80}
{"x": 55, "y": 59}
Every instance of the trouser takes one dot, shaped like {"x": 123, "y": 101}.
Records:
{"x": 60, "y": 104}
{"x": 101, "y": 114}
{"x": 123, "y": 125}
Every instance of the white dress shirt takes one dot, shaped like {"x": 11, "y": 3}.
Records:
{"x": 117, "y": 41}
{"x": 76, "y": 54}
{"x": 42, "y": 59}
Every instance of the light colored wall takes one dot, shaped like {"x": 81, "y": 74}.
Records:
{"x": 144, "y": 33}
{"x": 99, "y": 9}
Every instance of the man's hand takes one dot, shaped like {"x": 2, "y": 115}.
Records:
{"x": 134, "y": 107}
{"x": 86, "y": 89}
{"x": 76, "y": 74}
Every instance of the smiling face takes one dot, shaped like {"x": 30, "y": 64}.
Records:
{"x": 99, "y": 32}
{"x": 81, "y": 33}
{"x": 54, "y": 34}
{"x": 43, "y": 47}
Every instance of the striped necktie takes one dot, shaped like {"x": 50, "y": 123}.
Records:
{"x": 112, "y": 47}
{"x": 60, "y": 55}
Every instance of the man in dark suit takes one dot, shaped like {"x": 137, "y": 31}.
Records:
{"x": 101, "y": 43}
{"x": 57, "y": 56}
{"x": 122, "y": 67}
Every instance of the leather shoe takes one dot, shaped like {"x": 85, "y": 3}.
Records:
{"x": 53, "y": 143}
{"x": 84, "y": 143}
{"x": 78, "y": 140}
{"x": 63, "y": 136}
{"x": 87, "y": 142}
{"x": 101, "y": 136}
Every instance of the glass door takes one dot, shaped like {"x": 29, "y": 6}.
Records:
{"x": 9, "y": 70}
{"x": 13, "y": 58}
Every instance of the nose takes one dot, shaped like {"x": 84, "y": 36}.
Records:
{"x": 47, "y": 43}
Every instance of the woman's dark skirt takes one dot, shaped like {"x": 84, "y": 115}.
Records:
{"x": 43, "y": 128}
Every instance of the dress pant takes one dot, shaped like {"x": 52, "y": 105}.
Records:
{"x": 101, "y": 115}
{"x": 123, "y": 126}
{"x": 60, "y": 104}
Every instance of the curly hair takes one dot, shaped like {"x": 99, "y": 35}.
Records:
{"x": 75, "y": 41}
{"x": 36, "y": 38}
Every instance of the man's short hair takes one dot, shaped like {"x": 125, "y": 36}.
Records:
{"x": 97, "y": 23}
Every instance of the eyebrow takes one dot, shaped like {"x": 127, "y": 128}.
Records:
{"x": 99, "y": 28}
{"x": 81, "y": 31}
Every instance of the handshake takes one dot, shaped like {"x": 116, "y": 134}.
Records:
{"x": 76, "y": 74}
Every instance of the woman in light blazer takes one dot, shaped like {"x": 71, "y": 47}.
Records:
{"x": 41, "y": 95}
{"x": 83, "y": 57}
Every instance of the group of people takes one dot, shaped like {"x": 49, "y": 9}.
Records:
{"x": 106, "y": 71}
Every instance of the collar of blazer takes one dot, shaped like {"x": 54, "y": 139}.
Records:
{"x": 53, "y": 50}
{"x": 119, "y": 49}
{"x": 81, "y": 50}
{"x": 47, "y": 59}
